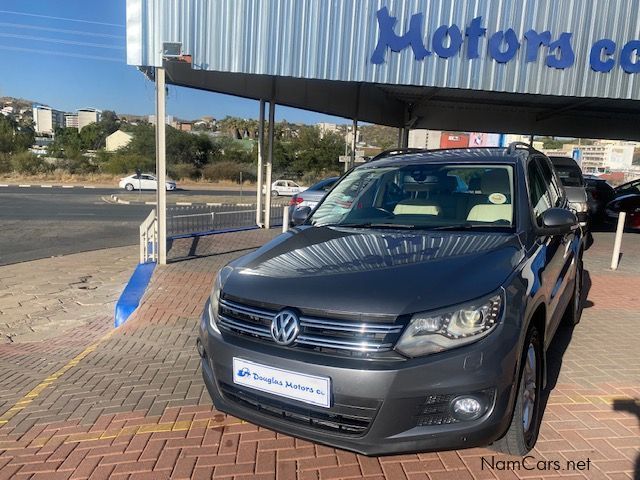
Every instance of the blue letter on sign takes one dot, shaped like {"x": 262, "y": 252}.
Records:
{"x": 495, "y": 42}
{"x": 606, "y": 46}
{"x": 626, "y": 55}
{"x": 563, "y": 45}
{"x": 388, "y": 37}
{"x": 474, "y": 31}
{"x": 454, "y": 45}
{"x": 534, "y": 41}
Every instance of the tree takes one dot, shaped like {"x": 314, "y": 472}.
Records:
{"x": 550, "y": 143}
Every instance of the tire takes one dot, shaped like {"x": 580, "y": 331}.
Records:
{"x": 523, "y": 431}
{"x": 274, "y": 193}
{"x": 574, "y": 309}
{"x": 128, "y": 187}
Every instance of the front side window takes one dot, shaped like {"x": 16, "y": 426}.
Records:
{"x": 539, "y": 194}
{"x": 421, "y": 196}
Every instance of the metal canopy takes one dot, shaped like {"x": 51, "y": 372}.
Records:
{"x": 428, "y": 107}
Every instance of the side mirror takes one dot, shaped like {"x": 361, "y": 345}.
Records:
{"x": 299, "y": 215}
{"x": 558, "y": 221}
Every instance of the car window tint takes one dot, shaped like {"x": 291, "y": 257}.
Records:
{"x": 538, "y": 192}
{"x": 570, "y": 176}
{"x": 554, "y": 190}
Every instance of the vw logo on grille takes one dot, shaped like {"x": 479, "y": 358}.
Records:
{"x": 285, "y": 327}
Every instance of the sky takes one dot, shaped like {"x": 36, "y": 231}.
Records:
{"x": 70, "y": 54}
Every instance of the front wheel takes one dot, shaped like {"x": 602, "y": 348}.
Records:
{"x": 274, "y": 193}
{"x": 525, "y": 422}
{"x": 128, "y": 187}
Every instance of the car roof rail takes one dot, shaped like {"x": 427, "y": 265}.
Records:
{"x": 513, "y": 146}
{"x": 392, "y": 152}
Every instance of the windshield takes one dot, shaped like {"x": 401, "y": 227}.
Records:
{"x": 570, "y": 176}
{"x": 422, "y": 196}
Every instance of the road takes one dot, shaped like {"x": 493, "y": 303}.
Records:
{"x": 43, "y": 222}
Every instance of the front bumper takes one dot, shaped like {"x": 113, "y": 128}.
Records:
{"x": 392, "y": 395}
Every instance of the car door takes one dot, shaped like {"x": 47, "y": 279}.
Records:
{"x": 559, "y": 267}
{"x": 148, "y": 182}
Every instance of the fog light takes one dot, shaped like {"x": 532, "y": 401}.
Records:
{"x": 200, "y": 348}
{"x": 467, "y": 408}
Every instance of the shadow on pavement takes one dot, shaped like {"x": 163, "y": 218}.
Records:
{"x": 630, "y": 405}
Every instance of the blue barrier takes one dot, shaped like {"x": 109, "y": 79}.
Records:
{"x": 133, "y": 292}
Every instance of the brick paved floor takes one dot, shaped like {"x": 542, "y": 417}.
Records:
{"x": 130, "y": 403}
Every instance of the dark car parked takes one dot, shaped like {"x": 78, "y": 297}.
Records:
{"x": 405, "y": 313}
{"x": 599, "y": 194}
{"x": 629, "y": 188}
{"x": 572, "y": 180}
{"x": 630, "y": 204}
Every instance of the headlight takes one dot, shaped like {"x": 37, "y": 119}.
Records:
{"x": 214, "y": 298}
{"x": 578, "y": 207}
{"x": 431, "y": 332}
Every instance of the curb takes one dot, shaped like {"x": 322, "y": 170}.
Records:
{"x": 114, "y": 199}
{"x": 133, "y": 292}
{"x": 24, "y": 185}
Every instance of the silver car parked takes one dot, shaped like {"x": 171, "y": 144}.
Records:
{"x": 312, "y": 195}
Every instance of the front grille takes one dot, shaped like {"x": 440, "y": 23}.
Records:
{"x": 344, "y": 423}
{"x": 435, "y": 411}
{"x": 322, "y": 334}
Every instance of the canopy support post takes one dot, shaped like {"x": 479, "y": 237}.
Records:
{"x": 260, "y": 193}
{"x": 272, "y": 126}
{"x": 161, "y": 164}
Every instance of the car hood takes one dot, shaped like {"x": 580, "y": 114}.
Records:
{"x": 373, "y": 271}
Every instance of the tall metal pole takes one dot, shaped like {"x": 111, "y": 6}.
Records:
{"x": 259, "y": 193}
{"x": 161, "y": 165}
{"x": 400, "y": 136}
{"x": 272, "y": 126}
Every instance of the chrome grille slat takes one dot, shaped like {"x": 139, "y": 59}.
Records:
{"x": 315, "y": 332}
{"x": 262, "y": 331}
{"x": 357, "y": 346}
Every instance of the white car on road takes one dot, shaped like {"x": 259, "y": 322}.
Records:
{"x": 144, "y": 181}
{"x": 286, "y": 187}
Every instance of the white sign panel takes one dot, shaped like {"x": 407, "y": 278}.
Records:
{"x": 297, "y": 386}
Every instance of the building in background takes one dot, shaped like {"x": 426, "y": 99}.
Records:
{"x": 325, "y": 128}
{"x": 71, "y": 120}
{"x": 87, "y": 116}
{"x": 422, "y": 138}
{"x": 117, "y": 140}
{"x": 606, "y": 155}
{"x": 46, "y": 119}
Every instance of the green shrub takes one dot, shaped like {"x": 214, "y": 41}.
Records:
{"x": 218, "y": 171}
{"x": 28, "y": 164}
{"x": 120, "y": 163}
{"x": 5, "y": 163}
{"x": 183, "y": 171}
{"x": 79, "y": 165}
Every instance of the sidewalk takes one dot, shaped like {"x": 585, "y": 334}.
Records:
{"x": 41, "y": 298}
{"x": 130, "y": 403}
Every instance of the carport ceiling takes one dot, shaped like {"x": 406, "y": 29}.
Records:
{"x": 427, "y": 107}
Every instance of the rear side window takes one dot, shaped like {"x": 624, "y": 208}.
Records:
{"x": 569, "y": 176}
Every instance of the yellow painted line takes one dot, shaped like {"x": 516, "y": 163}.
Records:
{"x": 38, "y": 389}
{"x": 180, "y": 426}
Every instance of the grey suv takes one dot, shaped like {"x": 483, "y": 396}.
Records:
{"x": 410, "y": 311}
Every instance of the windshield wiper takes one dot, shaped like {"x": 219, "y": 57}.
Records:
{"x": 469, "y": 226}
{"x": 391, "y": 226}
